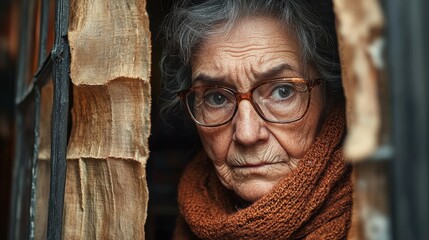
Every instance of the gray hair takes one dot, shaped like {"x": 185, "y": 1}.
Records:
{"x": 192, "y": 21}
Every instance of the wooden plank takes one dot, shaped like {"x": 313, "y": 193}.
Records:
{"x": 360, "y": 27}
{"x": 106, "y": 193}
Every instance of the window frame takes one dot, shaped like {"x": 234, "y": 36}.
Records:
{"x": 57, "y": 63}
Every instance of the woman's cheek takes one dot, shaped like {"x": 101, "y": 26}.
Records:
{"x": 296, "y": 138}
{"x": 216, "y": 143}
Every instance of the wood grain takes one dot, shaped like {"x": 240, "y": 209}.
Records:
{"x": 106, "y": 192}
{"x": 360, "y": 27}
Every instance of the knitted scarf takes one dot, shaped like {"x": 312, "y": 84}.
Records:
{"x": 313, "y": 202}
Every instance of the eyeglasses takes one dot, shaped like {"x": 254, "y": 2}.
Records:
{"x": 282, "y": 100}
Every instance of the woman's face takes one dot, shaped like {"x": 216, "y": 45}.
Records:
{"x": 251, "y": 155}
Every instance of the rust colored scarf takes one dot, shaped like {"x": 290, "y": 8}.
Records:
{"x": 313, "y": 202}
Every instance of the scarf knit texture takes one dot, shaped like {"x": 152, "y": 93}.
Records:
{"x": 314, "y": 201}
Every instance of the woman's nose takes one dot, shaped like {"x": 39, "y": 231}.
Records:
{"x": 249, "y": 127}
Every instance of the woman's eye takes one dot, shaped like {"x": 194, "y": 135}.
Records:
{"x": 282, "y": 92}
{"x": 216, "y": 99}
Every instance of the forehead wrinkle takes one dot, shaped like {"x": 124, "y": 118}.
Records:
{"x": 252, "y": 49}
{"x": 239, "y": 55}
{"x": 255, "y": 51}
{"x": 250, "y": 69}
{"x": 290, "y": 59}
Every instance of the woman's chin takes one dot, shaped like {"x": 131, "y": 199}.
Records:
{"x": 253, "y": 190}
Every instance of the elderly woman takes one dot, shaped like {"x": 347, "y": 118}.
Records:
{"x": 260, "y": 81}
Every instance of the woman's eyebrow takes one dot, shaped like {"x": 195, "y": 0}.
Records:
{"x": 275, "y": 71}
{"x": 203, "y": 79}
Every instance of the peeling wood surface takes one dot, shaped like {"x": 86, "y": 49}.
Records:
{"x": 359, "y": 28}
{"x": 106, "y": 192}
{"x": 360, "y": 36}
{"x": 108, "y": 40}
{"x": 371, "y": 206}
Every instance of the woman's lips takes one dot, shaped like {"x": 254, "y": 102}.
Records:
{"x": 253, "y": 165}
{"x": 254, "y": 168}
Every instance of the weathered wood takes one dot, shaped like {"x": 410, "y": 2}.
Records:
{"x": 359, "y": 28}
{"x": 360, "y": 36}
{"x": 371, "y": 201}
{"x": 106, "y": 193}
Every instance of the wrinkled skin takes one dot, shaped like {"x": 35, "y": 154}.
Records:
{"x": 250, "y": 155}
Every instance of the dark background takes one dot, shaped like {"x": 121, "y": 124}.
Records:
{"x": 9, "y": 22}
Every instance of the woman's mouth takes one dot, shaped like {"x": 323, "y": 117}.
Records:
{"x": 261, "y": 168}
{"x": 254, "y": 165}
